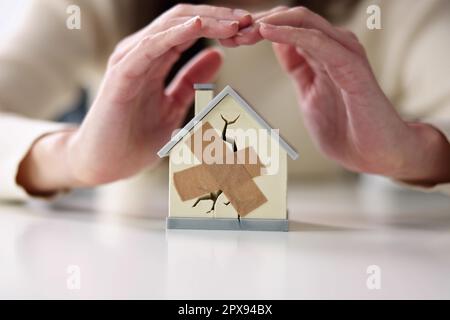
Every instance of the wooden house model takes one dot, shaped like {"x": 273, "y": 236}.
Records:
{"x": 227, "y": 167}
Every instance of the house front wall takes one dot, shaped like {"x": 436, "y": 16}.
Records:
{"x": 247, "y": 133}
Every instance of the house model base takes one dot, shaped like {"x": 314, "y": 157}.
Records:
{"x": 228, "y": 224}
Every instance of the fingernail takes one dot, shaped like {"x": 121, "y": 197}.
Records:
{"x": 193, "y": 20}
{"x": 240, "y": 13}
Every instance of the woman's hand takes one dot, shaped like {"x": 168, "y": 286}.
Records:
{"x": 345, "y": 110}
{"x": 133, "y": 114}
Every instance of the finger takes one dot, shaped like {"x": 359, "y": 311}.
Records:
{"x": 246, "y": 36}
{"x": 295, "y": 65}
{"x": 138, "y": 60}
{"x": 162, "y": 65}
{"x": 259, "y": 15}
{"x": 126, "y": 77}
{"x": 250, "y": 35}
{"x": 244, "y": 17}
{"x": 301, "y": 17}
{"x": 348, "y": 70}
{"x": 181, "y": 12}
{"x": 184, "y": 12}
{"x": 202, "y": 68}
{"x": 210, "y": 26}
{"x": 207, "y": 21}
{"x": 185, "y": 46}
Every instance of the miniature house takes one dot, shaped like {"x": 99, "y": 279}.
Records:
{"x": 227, "y": 167}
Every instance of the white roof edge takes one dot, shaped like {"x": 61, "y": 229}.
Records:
{"x": 164, "y": 152}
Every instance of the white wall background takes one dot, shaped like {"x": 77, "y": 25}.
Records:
{"x": 11, "y": 12}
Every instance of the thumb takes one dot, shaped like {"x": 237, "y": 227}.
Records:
{"x": 295, "y": 65}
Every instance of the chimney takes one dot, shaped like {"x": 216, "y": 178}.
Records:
{"x": 204, "y": 93}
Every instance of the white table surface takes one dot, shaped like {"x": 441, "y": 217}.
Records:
{"x": 337, "y": 231}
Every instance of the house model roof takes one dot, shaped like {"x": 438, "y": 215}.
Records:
{"x": 211, "y": 105}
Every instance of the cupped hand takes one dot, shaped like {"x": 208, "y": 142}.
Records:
{"x": 346, "y": 112}
{"x": 134, "y": 113}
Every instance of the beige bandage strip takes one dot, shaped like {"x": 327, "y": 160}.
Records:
{"x": 234, "y": 179}
{"x": 194, "y": 182}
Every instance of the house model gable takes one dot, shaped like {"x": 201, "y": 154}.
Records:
{"x": 227, "y": 91}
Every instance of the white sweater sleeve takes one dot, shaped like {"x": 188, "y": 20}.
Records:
{"x": 410, "y": 61}
{"x": 43, "y": 67}
{"x": 425, "y": 76}
{"x": 17, "y": 135}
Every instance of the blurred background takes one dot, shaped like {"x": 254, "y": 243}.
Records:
{"x": 12, "y": 13}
